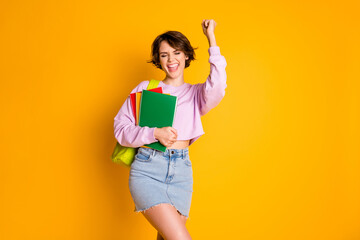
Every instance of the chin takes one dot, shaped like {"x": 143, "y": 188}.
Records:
{"x": 174, "y": 75}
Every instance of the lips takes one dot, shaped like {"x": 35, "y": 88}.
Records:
{"x": 172, "y": 67}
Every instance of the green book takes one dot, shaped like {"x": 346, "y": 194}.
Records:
{"x": 157, "y": 110}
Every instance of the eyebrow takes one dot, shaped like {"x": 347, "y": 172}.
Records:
{"x": 166, "y": 52}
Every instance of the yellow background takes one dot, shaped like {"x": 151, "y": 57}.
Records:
{"x": 280, "y": 158}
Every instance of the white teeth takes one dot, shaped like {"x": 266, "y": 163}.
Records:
{"x": 173, "y": 65}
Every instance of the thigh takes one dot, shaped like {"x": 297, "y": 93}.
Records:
{"x": 182, "y": 217}
{"x": 167, "y": 221}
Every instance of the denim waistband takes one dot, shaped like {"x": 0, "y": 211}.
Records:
{"x": 172, "y": 151}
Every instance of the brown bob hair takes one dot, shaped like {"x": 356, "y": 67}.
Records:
{"x": 176, "y": 40}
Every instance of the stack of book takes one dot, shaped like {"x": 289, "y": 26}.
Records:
{"x": 152, "y": 108}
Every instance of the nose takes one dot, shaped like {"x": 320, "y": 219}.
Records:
{"x": 170, "y": 58}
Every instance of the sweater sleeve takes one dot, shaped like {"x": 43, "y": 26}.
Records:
{"x": 126, "y": 132}
{"x": 210, "y": 93}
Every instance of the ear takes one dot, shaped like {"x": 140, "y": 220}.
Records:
{"x": 186, "y": 58}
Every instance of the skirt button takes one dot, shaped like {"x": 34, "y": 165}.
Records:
{"x": 172, "y": 152}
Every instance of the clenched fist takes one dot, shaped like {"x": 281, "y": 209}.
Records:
{"x": 208, "y": 26}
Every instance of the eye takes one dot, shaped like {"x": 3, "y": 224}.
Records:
{"x": 177, "y": 53}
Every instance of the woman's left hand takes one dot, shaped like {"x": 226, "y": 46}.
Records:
{"x": 208, "y": 26}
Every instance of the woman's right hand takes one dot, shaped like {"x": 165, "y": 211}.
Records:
{"x": 166, "y": 135}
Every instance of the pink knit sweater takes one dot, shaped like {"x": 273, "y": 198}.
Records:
{"x": 193, "y": 101}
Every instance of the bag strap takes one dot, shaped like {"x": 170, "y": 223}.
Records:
{"x": 153, "y": 84}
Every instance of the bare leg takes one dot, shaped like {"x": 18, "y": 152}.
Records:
{"x": 183, "y": 218}
{"x": 167, "y": 221}
{"x": 159, "y": 237}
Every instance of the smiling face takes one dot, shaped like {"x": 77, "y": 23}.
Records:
{"x": 172, "y": 60}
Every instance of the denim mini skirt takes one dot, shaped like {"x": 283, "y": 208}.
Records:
{"x": 161, "y": 177}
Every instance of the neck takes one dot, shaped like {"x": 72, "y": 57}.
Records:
{"x": 174, "y": 81}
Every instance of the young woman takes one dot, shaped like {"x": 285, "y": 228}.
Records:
{"x": 161, "y": 183}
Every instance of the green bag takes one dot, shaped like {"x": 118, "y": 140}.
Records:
{"x": 125, "y": 155}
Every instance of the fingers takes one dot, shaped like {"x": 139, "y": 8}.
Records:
{"x": 173, "y": 138}
{"x": 206, "y": 23}
{"x": 169, "y": 143}
{"x": 203, "y": 25}
{"x": 173, "y": 130}
{"x": 169, "y": 137}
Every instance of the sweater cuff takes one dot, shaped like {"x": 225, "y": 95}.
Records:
{"x": 152, "y": 134}
{"x": 214, "y": 50}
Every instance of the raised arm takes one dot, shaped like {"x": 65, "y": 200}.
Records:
{"x": 208, "y": 27}
{"x": 210, "y": 93}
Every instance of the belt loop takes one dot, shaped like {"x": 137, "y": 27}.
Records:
{"x": 154, "y": 152}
